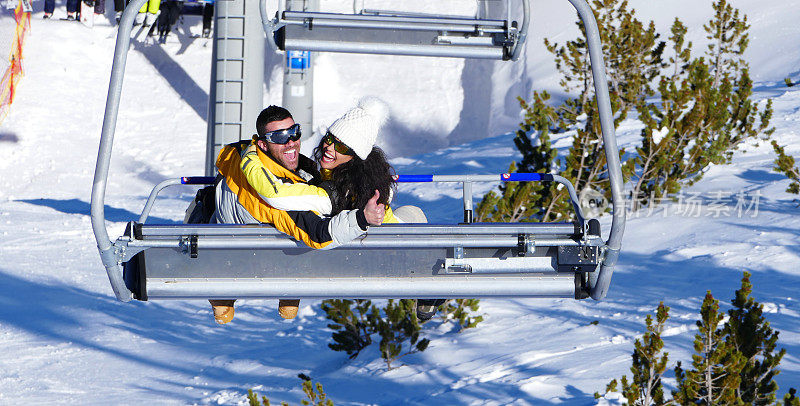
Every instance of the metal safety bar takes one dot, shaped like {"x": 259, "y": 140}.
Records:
{"x": 465, "y": 180}
{"x": 552, "y": 286}
{"x": 280, "y": 241}
{"x": 396, "y": 25}
{"x": 255, "y": 230}
{"x": 471, "y": 23}
{"x": 154, "y": 193}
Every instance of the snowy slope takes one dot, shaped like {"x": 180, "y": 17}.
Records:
{"x": 67, "y": 339}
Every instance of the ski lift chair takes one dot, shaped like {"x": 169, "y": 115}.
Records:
{"x": 193, "y": 7}
{"x": 203, "y": 261}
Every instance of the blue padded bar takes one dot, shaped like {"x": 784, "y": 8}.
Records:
{"x": 526, "y": 177}
{"x": 197, "y": 180}
{"x": 414, "y": 178}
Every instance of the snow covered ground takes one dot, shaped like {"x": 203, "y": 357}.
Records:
{"x": 67, "y": 340}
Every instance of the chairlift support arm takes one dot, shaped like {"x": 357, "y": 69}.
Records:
{"x": 110, "y": 254}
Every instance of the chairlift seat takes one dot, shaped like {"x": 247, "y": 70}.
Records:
{"x": 396, "y": 260}
{"x": 257, "y": 261}
{"x": 194, "y": 8}
{"x": 444, "y": 36}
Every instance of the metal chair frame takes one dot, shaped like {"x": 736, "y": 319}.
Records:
{"x": 152, "y": 261}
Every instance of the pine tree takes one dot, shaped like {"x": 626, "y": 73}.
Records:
{"x": 633, "y": 58}
{"x": 705, "y": 110}
{"x": 785, "y": 164}
{"x": 714, "y": 377}
{"x": 460, "y": 311}
{"x": 653, "y": 168}
{"x": 749, "y": 333}
{"x": 734, "y": 363}
{"x": 736, "y": 117}
{"x": 632, "y": 54}
{"x": 648, "y": 365}
{"x": 728, "y": 39}
{"x": 252, "y": 399}
{"x": 399, "y": 325}
{"x": 585, "y": 165}
{"x": 314, "y": 393}
{"x": 790, "y": 399}
{"x": 352, "y": 330}
{"x": 523, "y": 201}
{"x": 316, "y": 396}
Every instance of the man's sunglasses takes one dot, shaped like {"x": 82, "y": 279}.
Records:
{"x": 339, "y": 146}
{"x": 283, "y": 136}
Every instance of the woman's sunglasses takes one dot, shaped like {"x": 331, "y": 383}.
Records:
{"x": 339, "y": 146}
{"x": 283, "y": 136}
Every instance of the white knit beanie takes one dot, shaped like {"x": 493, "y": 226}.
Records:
{"x": 358, "y": 128}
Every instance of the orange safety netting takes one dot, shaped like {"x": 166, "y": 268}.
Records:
{"x": 14, "y": 71}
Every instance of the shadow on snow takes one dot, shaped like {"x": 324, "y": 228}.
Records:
{"x": 75, "y": 206}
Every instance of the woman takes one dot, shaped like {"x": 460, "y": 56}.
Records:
{"x": 351, "y": 181}
{"x": 352, "y": 170}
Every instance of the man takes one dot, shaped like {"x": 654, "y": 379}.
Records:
{"x": 277, "y": 145}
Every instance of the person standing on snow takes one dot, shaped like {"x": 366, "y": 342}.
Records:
{"x": 72, "y": 9}
{"x": 148, "y": 13}
{"x": 99, "y": 8}
{"x": 208, "y": 15}
{"x": 119, "y": 7}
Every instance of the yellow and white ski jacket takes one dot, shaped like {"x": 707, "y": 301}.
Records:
{"x": 239, "y": 203}
{"x": 287, "y": 195}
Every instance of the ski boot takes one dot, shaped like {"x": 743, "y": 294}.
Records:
{"x": 426, "y": 308}
{"x": 287, "y": 308}
{"x": 223, "y": 310}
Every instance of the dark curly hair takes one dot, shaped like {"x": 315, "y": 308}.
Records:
{"x": 354, "y": 182}
{"x": 268, "y": 115}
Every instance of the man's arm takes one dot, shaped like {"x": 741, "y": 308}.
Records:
{"x": 330, "y": 232}
{"x": 279, "y": 194}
